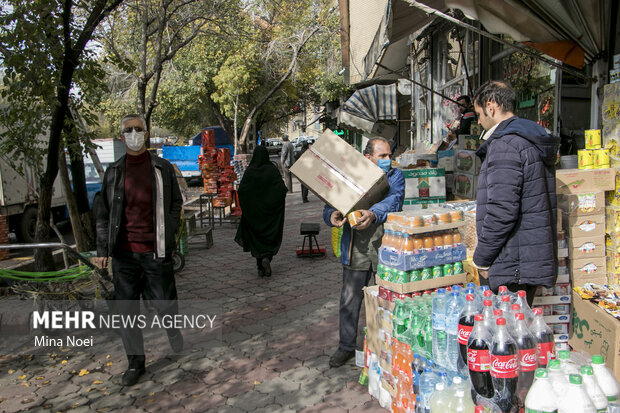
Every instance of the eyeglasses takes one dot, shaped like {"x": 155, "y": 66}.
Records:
{"x": 133, "y": 128}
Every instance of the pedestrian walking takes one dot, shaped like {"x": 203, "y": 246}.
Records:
{"x": 304, "y": 189}
{"x": 262, "y": 197}
{"x": 287, "y": 157}
{"x": 138, "y": 215}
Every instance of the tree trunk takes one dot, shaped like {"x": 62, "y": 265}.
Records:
{"x": 81, "y": 241}
{"x": 221, "y": 119}
{"x": 235, "y": 123}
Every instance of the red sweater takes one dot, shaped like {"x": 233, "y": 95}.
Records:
{"x": 138, "y": 234}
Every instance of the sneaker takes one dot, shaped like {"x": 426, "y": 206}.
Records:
{"x": 176, "y": 342}
{"x": 131, "y": 376}
{"x": 340, "y": 357}
{"x": 266, "y": 267}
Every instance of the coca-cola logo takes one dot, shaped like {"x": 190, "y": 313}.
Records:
{"x": 529, "y": 359}
{"x": 504, "y": 366}
{"x": 464, "y": 333}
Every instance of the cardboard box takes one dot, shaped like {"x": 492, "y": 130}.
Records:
{"x": 445, "y": 160}
{"x": 467, "y": 162}
{"x": 586, "y": 247}
{"x": 596, "y": 332}
{"x": 582, "y": 204}
{"x": 580, "y": 227}
{"x": 422, "y": 203}
{"x": 584, "y": 181}
{"x": 588, "y": 270}
{"x": 425, "y": 183}
{"x": 371, "y": 303}
{"x": 551, "y": 299}
{"x": 465, "y": 185}
{"x": 339, "y": 175}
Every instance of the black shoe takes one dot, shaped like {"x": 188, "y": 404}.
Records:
{"x": 176, "y": 342}
{"x": 340, "y": 357}
{"x": 304, "y": 201}
{"x": 261, "y": 272}
{"x": 266, "y": 267}
{"x": 131, "y": 376}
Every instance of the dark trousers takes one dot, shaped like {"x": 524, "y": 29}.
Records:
{"x": 530, "y": 289}
{"x": 304, "y": 193}
{"x": 351, "y": 297}
{"x": 136, "y": 275}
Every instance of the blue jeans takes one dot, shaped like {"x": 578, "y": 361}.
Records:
{"x": 351, "y": 296}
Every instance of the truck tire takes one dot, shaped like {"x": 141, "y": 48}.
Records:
{"x": 28, "y": 225}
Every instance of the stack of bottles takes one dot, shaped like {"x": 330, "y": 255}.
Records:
{"x": 573, "y": 384}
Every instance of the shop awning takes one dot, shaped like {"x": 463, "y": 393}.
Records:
{"x": 389, "y": 45}
{"x": 573, "y": 31}
{"x": 369, "y": 105}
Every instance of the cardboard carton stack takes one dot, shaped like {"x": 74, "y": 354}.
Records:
{"x": 466, "y": 170}
{"x": 423, "y": 187}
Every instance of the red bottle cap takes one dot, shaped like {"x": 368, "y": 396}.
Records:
{"x": 497, "y": 312}
{"x": 469, "y": 297}
{"x": 520, "y": 316}
{"x": 501, "y": 321}
{"x": 503, "y": 289}
{"x": 488, "y": 293}
{"x": 516, "y": 307}
{"x": 537, "y": 311}
{"x": 505, "y": 298}
{"x": 521, "y": 293}
{"x": 487, "y": 303}
{"x": 478, "y": 317}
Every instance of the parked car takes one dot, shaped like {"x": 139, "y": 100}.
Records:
{"x": 299, "y": 142}
{"x": 274, "y": 146}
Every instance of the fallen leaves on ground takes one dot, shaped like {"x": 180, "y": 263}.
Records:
{"x": 83, "y": 372}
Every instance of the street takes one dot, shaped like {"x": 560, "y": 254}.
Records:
{"x": 278, "y": 334}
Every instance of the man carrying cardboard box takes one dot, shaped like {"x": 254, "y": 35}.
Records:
{"x": 359, "y": 248}
{"x": 516, "y": 206}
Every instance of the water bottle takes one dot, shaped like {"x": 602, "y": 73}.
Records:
{"x": 593, "y": 390}
{"x": 461, "y": 403}
{"x": 440, "y": 399}
{"x": 575, "y": 400}
{"x": 605, "y": 379}
{"x": 566, "y": 365}
{"x": 453, "y": 311}
{"x": 415, "y": 375}
{"x": 374, "y": 376}
{"x": 428, "y": 380}
{"x": 557, "y": 378}
{"x": 439, "y": 327}
{"x": 541, "y": 397}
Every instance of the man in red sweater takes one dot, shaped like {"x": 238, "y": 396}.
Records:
{"x": 138, "y": 215}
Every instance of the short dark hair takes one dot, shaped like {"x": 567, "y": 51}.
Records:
{"x": 496, "y": 91}
{"x": 466, "y": 98}
{"x": 370, "y": 146}
{"x": 285, "y": 137}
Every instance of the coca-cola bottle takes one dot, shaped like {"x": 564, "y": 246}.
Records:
{"x": 504, "y": 369}
{"x": 504, "y": 304}
{"x": 479, "y": 358}
{"x": 487, "y": 313}
{"x": 466, "y": 325}
{"x": 502, "y": 291}
{"x": 528, "y": 356}
{"x": 544, "y": 338}
{"x": 525, "y": 307}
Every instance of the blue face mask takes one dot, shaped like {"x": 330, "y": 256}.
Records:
{"x": 385, "y": 164}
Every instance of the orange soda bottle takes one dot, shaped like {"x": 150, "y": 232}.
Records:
{"x": 407, "y": 244}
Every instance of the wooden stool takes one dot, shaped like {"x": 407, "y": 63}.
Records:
{"x": 310, "y": 231}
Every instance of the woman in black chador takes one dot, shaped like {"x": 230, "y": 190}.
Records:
{"x": 262, "y": 196}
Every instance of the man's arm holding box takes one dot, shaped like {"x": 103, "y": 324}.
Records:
{"x": 393, "y": 201}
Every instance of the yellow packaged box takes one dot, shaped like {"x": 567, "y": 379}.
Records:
{"x": 612, "y": 219}
{"x": 613, "y": 196}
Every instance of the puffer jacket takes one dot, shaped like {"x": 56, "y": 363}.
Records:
{"x": 516, "y": 205}
{"x": 392, "y": 202}
{"x": 167, "y": 203}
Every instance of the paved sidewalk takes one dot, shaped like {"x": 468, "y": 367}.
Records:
{"x": 277, "y": 336}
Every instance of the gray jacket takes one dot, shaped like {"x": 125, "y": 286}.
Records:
{"x": 287, "y": 157}
{"x": 167, "y": 202}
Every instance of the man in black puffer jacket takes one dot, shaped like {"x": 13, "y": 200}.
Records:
{"x": 516, "y": 211}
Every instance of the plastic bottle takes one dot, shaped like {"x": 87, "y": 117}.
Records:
{"x": 453, "y": 311}
{"x": 374, "y": 376}
{"x": 544, "y": 338}
{"x": 407, "y": 247}
{"x": 566, "y": 365}
{"x": 504, "y": 305}
{"x": 439, "y": 327}
{"x": 557, "y": 378}
{"x": 502, "y": 291}
{"x": 487, "y": 313}
{"x": 428, "y": 380}
{"x": 605, "y": 379}
{"x": 398, "y": 242}
{"x": 541, "y": 397}
{"x": 575, "y": 400}
{"x": 479, "y": 358}
{"x": 440, "y": 399}
{"x": 528, "y": 357}
{"x": 525, "y": 307}
{"x": 427, "y": 332}
{"x": 593, "y": 390}
{"x": 504, "y": 369}
{"x": 461, "y": 403}
{"x": 465, "y": 327}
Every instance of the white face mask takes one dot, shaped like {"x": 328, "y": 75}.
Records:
{"x": 134, "y": 140}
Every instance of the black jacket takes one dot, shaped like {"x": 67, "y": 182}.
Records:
{"x": 167, "y": 203}
{"x": 516, "y": 205}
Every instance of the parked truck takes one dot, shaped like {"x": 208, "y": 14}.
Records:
{"x": 186, "y": 159}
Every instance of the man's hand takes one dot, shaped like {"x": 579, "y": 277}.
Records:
{"x": 484, "y": 274}
{"x": 337, "y": 219}
{"x": 99, "y": 262}
{"x": 368, "y": 217}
